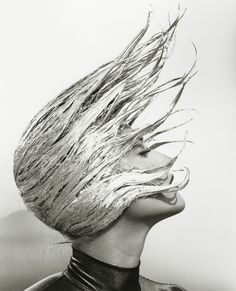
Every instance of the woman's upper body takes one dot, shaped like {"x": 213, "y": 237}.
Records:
{"x": 110, "y": 260}
{"x": 85, "y": 273}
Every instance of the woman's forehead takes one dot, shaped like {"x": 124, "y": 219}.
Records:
{"x": 126, "y": 129}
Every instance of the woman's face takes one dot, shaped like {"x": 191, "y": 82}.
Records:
{"x": 151, "y": 209}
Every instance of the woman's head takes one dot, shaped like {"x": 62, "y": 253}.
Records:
{"x": 152, "y": 208}
{"x": 68, "y": 166}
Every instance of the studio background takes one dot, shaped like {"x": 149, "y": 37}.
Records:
{"x": 48, "y": 45}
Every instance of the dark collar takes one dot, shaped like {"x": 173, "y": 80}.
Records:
{"x": 90, "y": 274}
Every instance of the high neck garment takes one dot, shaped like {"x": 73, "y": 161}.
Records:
{"x": 90, "y": 274}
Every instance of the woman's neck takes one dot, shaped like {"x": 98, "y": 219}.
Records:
{"x": 120, "y": 245}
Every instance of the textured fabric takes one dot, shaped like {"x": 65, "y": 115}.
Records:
{"x": 85, "y": 273}
{"x": 90, "y": 274}
{"x": 58, "y": 282}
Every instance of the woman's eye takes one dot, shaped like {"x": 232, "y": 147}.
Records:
{"x": 144, "y": 153}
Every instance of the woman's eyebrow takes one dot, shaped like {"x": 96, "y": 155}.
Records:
{"x": 139, "y": 143}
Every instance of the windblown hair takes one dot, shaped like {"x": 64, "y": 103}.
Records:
{"x": 67, "y": 163}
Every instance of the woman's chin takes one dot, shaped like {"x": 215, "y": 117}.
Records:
{"x": 173, "y": 203}
{"x": 156, "y": 208}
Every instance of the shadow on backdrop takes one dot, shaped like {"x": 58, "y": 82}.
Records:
{"x": 29, "y": 251}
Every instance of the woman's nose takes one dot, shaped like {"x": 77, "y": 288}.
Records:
{"x": 156, "y": 159}
{"x": 152, "y": 160}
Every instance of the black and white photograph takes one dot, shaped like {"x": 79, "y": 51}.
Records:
{"x": 117, "y": 145}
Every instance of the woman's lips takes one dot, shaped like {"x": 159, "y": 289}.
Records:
{"x": 167, "y": 180}
{"x": 171, "y": 178}
{"x": 169, "y": 198}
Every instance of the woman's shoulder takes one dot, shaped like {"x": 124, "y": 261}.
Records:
{"x": 149, "y": 285}
{"x": 45, "y": 283}
{"x": 50, "y": 282}
{"x": 55, "y": 282}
